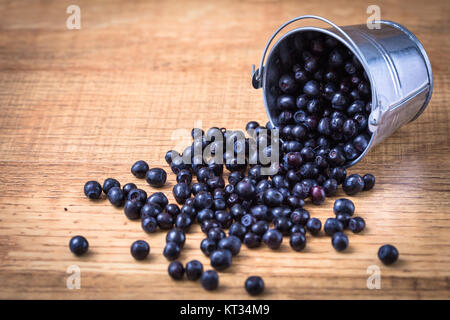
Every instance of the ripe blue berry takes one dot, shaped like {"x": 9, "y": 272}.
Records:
{"x": 221, "y": 259}
{"x": 149, "y": 224}
{"x": 116, "y": 196}
{"x": 78, "y": 245}
{"x": 171, "y": 251}
{"x": 353, "y": 184}
{"x": 343, "y": 206}
{"x": 369, "y": 181}
{"x": 231, "y": 243}
{"x": 109, "y": 183}
{"x": 252, "y": 240}
{"x": 388, "y": 254}
{"x": 176, "y": 235}
{"x": 127, "y": 188}
{"x": 159, "y": 199}
{"x": 176, "y": 270}
{"x": 356, "y": 224}
{"x": 208, "y": 246}
{"x": 273, "y": 238}
{"x": 297, "y": 241}
{"x": 210, "y": 280}
{"x": 339, "y": 241}
{"x": 156, "y": 177}
{"x": 139, "y": 169}
{"x": 181, "y": 192}
{"x": 140, "y": 249}
{"x": 254, "y": 285}
{"x": 194, "y": 270}
{"x": 92, "y": 189}
{"x": 314, "y": 225}
{"x": 332, "y": 225}
{"x": 132, "y": 209}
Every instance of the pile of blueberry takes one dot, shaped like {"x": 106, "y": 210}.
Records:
{"x": 323, "y": 99}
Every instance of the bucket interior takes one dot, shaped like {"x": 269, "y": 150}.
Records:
{"x": 291, "y": 54}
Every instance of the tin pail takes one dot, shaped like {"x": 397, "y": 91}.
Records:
{"x": 394, "y": 60}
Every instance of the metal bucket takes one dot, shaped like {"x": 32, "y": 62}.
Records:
{"x": 394, "y": 60}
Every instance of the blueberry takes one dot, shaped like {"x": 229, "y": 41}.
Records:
{"x": 273, "y": 238}
{"x": 139, "y": 169}
{"x": 188, "y": 209}
{"x": 176, "y": 235}
{"x": 254, "y": 285}
{"x": 159, "y": 199}
{"x": 297, "y": 241}
{"x": 132, "y": 209}
{"x": 184, "y": 176}
{"x": 170, "y": 155}
{"x": 260, "y": 228}
{"x": 332, "y": 225}
{"x": 92, "y": 189}
{"x": 210, "y": 280}
{"x": 259, "y": 212}
{"x": 361, "y": 142}
{"x": 181, "y": 192}
{"x": 314, "y": 225}
{"x": 176, "y": 270}
{"x": 282, "y": 224}
{"x": 203, "y": 200}
{"x": 238, "y": 230}
{"x": 205, "y": 214}
{"x": 209, "y": 224}
{"x": 300, "y": 216}
{"x": 150, "y": 210}
{"x": 369, "y": 181}
{"x": 245, "y": 190}
{"x": 194, "y": 270}
{"x": 356, "y": 224}
{"x": 149, "y": 224}
{"x": 287, "y": 83}
{"x": 109, "y": 183}
{"x": 231, "y": 243}
{"x": 165, "y": 220}
{"x": 339, "y": 241}
{"x": 183, "y": 221}
{"x": 273, "y": 198}
{"x": 137, "y": 195}
{"x": 221, "y": 259}
{"x": 317, "y": 195}
{"x": 156, "y": 177}
{"x": 353, "y": 184}
{"x": 127, "y": 188}
{"x": 116, "y": 196}
{"x": 216, "y": 234}
{"x": 312, "y": 88}
{"x": 344, "y": 206}
{"x": 252, "y": 240}
{"x": 252, "y": 125}
{"x": 78, "y": 245}
{"x": 330, "y": 187}
{"x": 171, "y": 251}
{"x": 339, "y": 174}
{"x": 215, "y": 182}
{"x": 388, "y": 254}
{"x": 140, "y": 249}
{"x": 208, "y": 246}
{"x": 247, "y": 220}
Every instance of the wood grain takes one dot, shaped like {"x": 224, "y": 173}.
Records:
{"x": 85, "y": 104}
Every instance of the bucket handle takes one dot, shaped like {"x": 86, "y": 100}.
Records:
{"x": 257, "y": 75}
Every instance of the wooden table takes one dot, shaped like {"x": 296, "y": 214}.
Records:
{"x": 85, "y": 104}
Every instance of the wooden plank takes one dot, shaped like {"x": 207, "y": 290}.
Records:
{"x": 85, "y": 104}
